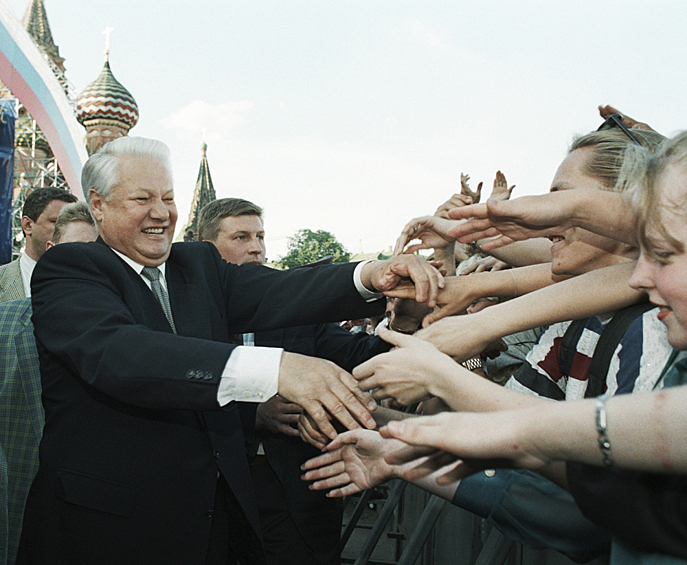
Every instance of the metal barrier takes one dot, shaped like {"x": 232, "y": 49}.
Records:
{"x": 494, "y": 551}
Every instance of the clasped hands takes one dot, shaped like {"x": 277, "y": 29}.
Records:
{"x": 323, "y": 389}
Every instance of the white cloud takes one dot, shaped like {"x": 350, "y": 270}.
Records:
{"x": 201, "y": 115}
{"x": 426, "y": 34}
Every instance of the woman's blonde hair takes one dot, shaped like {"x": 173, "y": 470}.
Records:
{"x": 643, "y": 172}
{"x": 608, "y": 153}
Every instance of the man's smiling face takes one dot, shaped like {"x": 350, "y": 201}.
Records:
{"x": 139, "y": 218}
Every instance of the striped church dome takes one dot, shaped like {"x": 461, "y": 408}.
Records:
{"x": 106, "y": 99}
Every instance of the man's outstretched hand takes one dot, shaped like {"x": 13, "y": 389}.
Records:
{"x": 322, "y": 388}
{"x": 386, "y": 275}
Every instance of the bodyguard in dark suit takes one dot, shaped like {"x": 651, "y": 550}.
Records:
{"x": 143, "y": 453}
{"x": 299, "y": 525}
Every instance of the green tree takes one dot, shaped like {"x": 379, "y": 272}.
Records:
{"x": 308, "y": 246}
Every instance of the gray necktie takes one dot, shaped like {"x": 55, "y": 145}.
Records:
{"x": 153, "y": 275}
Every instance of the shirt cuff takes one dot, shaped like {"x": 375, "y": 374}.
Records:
{"x": 368, "y": 295}
{"x": 250, "y": 375}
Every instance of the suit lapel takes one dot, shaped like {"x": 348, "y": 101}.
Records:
{"x": 30, "y": 377}
{"x": 188, "y": 299}
{"x": 11, "y": 284}
{"x": 140, "y": 299}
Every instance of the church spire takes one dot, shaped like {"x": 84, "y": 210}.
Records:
{"x": 203, "y": 194}
{"x": 36, "y": 23}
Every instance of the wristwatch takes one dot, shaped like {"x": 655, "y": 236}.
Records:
{"x": 472, "y": 364}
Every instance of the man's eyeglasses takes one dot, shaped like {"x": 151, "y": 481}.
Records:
{"x": 616, "y": 121}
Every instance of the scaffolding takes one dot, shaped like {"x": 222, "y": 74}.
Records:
{"x": 34, "y": 167}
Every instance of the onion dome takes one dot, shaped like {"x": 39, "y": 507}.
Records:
{"x": 106, "y": 99}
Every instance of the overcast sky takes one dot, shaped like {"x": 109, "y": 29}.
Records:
{"x": 355, "y": 116}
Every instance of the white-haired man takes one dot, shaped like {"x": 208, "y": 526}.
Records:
{"x": 142, "y": 457}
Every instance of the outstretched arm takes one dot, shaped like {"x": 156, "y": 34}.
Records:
{"x": 523, "y": 253}
{"x": 383, "y": 276}
{"x": 459, "y": 292}
{"x": 322, "y": 388}
{"x": 415, "y": 370}
{"x": 599, "y": 211}
{"x": 602, "y": 290}
{"x": 646, "y": 433}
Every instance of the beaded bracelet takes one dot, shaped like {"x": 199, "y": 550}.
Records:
{"x": 604, "y": 442}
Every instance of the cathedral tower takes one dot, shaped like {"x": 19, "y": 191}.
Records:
{"x": 203, "y": 194}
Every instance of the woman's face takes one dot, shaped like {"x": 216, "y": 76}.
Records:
{"x": 666, "y": 280}
{"x": 579, "y": 251}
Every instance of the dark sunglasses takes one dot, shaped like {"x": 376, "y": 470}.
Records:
{"x": 616, "y": 121}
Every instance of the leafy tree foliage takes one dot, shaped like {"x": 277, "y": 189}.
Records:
{"x": 308, "y": 246}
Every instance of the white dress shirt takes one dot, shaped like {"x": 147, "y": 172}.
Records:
{"x": 27, "y": 265}
{"x": 252, "y": 372}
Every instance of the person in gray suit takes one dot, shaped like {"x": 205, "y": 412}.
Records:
{"x": 39, "y": 215}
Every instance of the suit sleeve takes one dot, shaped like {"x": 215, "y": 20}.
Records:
{"x": 95, "y": 320}
{"x": 102, "y": 324}
{"x": 345, "y": 349}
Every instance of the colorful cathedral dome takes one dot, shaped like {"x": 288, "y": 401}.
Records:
{"x": 106, "y": 99}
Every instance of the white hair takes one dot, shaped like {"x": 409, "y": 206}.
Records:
{"x": 101, "y": 171}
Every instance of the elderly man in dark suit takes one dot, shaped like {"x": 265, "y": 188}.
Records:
{"x": 143, "y": 452}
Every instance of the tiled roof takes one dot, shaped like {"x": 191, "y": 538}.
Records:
{"x": 106, "y": 99}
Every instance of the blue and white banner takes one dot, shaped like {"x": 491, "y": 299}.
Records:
{"x": 7, "y": 118}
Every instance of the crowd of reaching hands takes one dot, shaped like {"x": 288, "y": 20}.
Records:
{"x": 612, "y": 232}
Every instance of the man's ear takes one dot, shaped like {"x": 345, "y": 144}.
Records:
{"x": 27, "y": 225}
{"x": 48, "y": 244}
{"x": 96, "y": 205}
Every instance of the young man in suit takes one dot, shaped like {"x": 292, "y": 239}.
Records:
{"x": 39, "y": 215}
{"x": 299, "y": 525}
{"x": 143, "y": 452}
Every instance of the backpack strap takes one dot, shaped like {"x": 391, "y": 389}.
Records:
{"x": 608, "y": 342}
{"x": 568, "y": 347}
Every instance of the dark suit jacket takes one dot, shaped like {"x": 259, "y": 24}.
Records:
{"x": 134, "y": 436}
{"x": 317, "y": 517}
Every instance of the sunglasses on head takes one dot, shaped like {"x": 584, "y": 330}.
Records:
{"x": 616, "y": 121}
